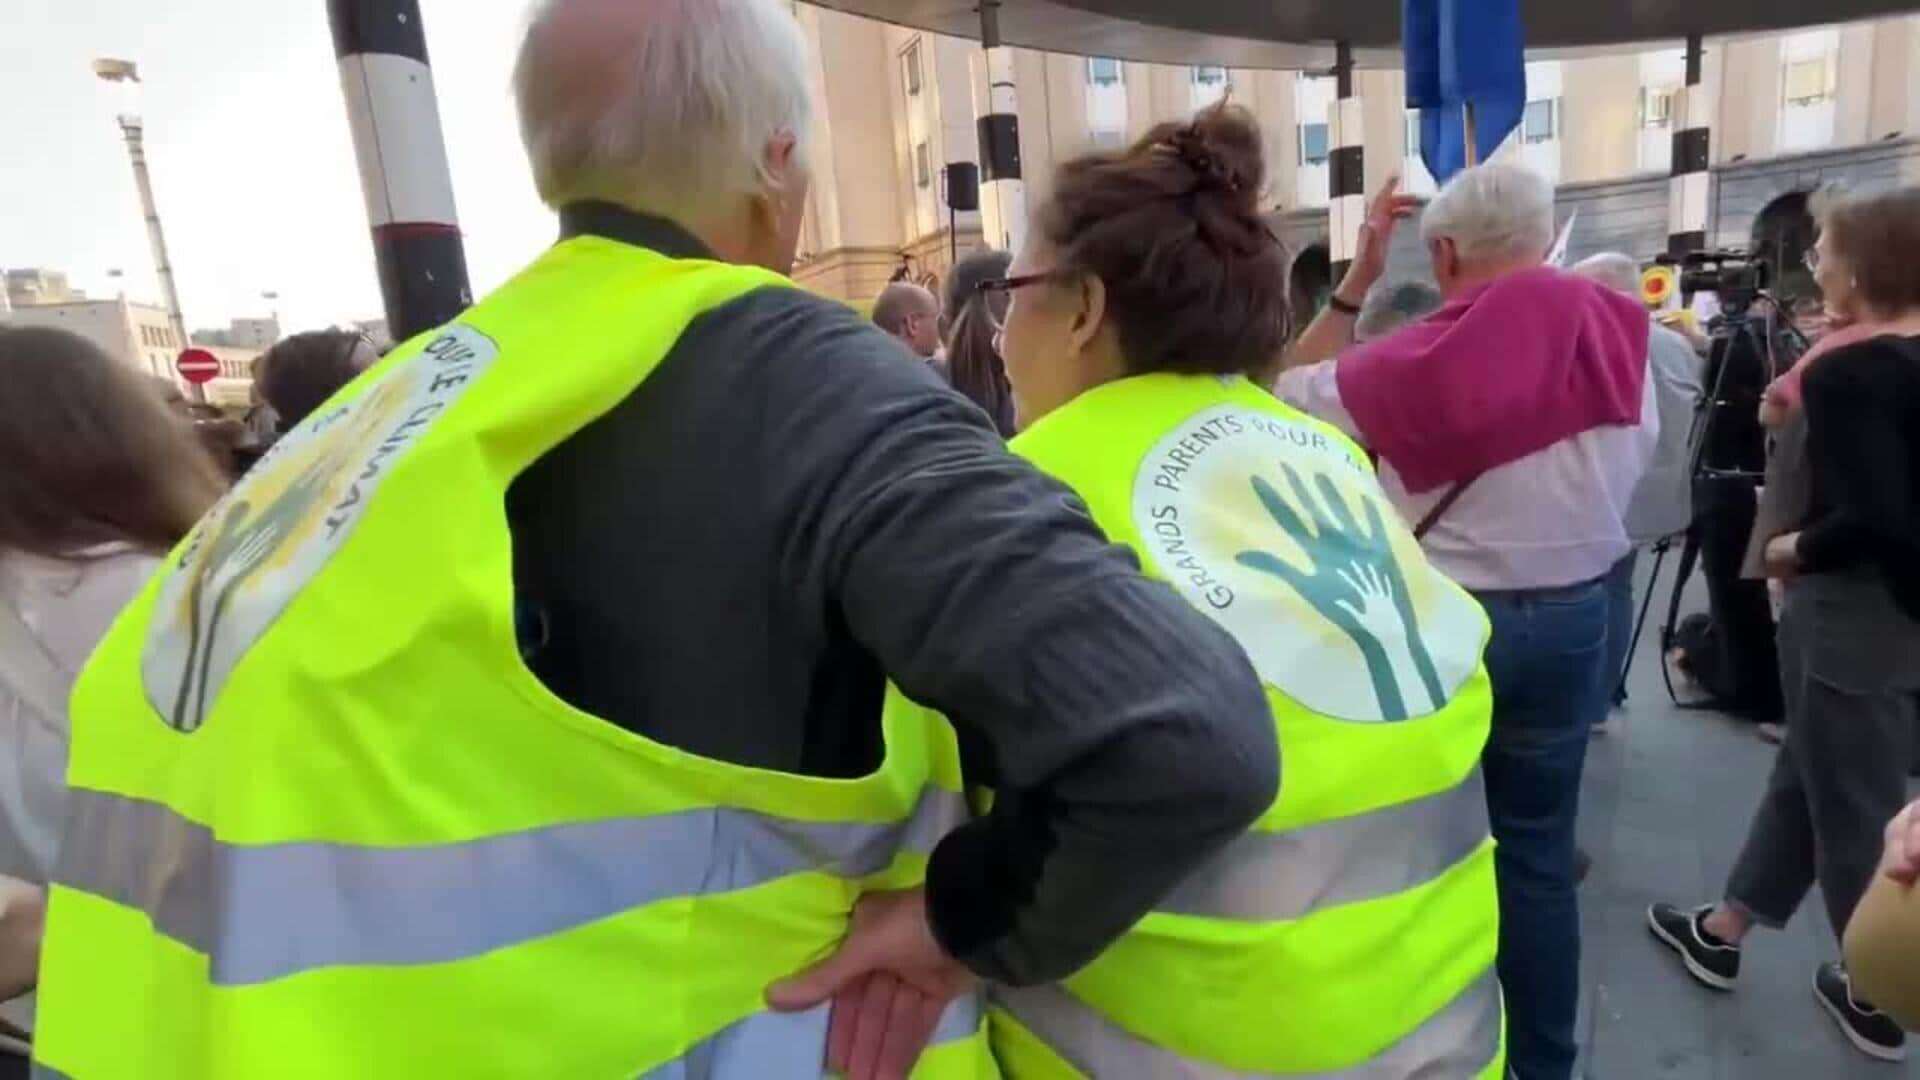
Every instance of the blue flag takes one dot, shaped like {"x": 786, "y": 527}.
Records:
{"x": 1460, "y": 52}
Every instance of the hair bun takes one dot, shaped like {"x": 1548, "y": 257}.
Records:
{"x": 1222, "y": 147}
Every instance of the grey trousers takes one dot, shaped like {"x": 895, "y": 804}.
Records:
{"x": 1849, "y": 665}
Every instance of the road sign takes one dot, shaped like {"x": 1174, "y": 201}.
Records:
{"x": 197, "y": 365}
{"x": 1657, "y": 285}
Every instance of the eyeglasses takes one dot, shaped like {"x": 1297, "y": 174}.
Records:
{"x": 1003, "y": 288}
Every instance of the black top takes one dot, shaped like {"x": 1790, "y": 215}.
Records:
{"x": 1863, "y": 440}
{"x": 1736, "y": 377}
{"x": 788, "y": 512}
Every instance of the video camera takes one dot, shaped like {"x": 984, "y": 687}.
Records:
{"x": 1736, "y": 277}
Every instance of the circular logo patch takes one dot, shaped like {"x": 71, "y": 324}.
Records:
{"x": 1271, "y": 527}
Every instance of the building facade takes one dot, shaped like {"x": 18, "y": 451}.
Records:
{"x": 1789, "y": 112}
{"x": 255, "y": 335}
{"x": 31, "y": 286}
{"x": 142, "y": 337}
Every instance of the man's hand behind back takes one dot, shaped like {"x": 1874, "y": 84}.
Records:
{"x": 889, "y": 983}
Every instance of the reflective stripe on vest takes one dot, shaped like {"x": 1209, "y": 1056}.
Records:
{"x": 1462, "y": 1040}
{"x": 263, "y": 912}
{"x": 764, "y": 1046}
{"x": 1370, "y": 879}
{"x": 1265, "y": 876}
{"x": 773, "y": 1046}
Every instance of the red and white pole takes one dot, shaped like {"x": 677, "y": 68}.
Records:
{"x": 382, "y": 50}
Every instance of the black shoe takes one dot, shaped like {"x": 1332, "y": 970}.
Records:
{"x": 1869, "y": 1029}
{"x": 1710, "y": 960}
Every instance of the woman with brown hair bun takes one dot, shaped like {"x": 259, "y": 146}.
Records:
{"x": 1149, "y": 291}
{"x": 100, "y": 479}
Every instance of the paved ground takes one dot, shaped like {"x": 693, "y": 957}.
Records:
{"x": 1667, "y": 798}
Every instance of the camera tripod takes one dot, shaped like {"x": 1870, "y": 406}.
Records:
{"x": 1734, "y": 337}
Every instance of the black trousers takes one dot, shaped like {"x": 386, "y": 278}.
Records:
{"x": 1848, "y": 660}
{"x": 1724, "y": 510}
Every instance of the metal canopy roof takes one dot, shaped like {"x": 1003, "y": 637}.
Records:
{"x": 1300, "y": 33}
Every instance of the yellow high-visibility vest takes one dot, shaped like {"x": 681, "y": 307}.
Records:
{"x": 1351, "y": 933}
{"x": 325, "y": 823}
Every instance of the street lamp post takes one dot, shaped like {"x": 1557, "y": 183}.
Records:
{"x": 133, "y": 128}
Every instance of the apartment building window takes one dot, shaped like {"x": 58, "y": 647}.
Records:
{"x": 1313, "y": 144}
{"x": 1809, "y": 73}
{"x": 1209, "y": 84}
{"x": 1540, "y": 124}
{"x": 1656, "y": 107}
{"x": 1414, "y": 176}
{"x": 922, "y": 166}
{"x": 910, "y": 60}
{"x": 1808, "y": 81}
{"x": 1106, "y": 103}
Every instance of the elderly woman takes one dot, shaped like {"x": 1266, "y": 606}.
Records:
{"x": 1850, "y": 625}
{"x": 1149, "y": 292}
{"x": 1512, "y": 425}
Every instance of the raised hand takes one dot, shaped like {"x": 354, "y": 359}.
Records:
{"x": 1387, "y": 209}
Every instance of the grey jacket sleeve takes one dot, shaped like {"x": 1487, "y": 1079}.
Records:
{"x": 1128, "y": 735}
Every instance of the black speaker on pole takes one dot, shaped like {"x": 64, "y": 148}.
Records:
{"x": 963, "y": 186}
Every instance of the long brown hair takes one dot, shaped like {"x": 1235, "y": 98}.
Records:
{"x": 975, "y": 367}
{"x": 1196, "y": 281}
{"x": 89, "y": 454}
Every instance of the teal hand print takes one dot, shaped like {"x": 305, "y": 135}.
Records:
{"x": 1356, "y": 582}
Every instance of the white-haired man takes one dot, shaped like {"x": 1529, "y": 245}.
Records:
{"x": 1512, "y": 426}
{"x": 1663, "y": 502}
{"x": 522, "y": 715}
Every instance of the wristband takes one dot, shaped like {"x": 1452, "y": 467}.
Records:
{"x": 1341, "y": 306}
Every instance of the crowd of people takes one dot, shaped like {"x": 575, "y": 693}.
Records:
{"x": 1086, "y": 671}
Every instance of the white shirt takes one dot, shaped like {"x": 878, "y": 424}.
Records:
{"x": 1555, "y": 517}
{"x": 65, "y": 609}
{"x": 1663, "y": 503}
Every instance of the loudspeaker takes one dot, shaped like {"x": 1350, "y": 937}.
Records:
{"x": 1000, "y": 146}
{"x": 963, "y": 186}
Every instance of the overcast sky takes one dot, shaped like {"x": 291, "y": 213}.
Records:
{"x": 248, "y": 142}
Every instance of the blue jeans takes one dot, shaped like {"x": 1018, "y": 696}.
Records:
{"x": 1619, "y": 623}
{"x": 1547, "y": 661}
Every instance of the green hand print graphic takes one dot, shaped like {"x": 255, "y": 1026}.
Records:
{"x": 1355, "y": 582}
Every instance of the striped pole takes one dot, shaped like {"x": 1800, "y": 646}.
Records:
{"x": 382, "y": 50}
{"x": 1346, "y": 166}
{"x": 1000, "y": 133}
{"x": 1687, "y": 195}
